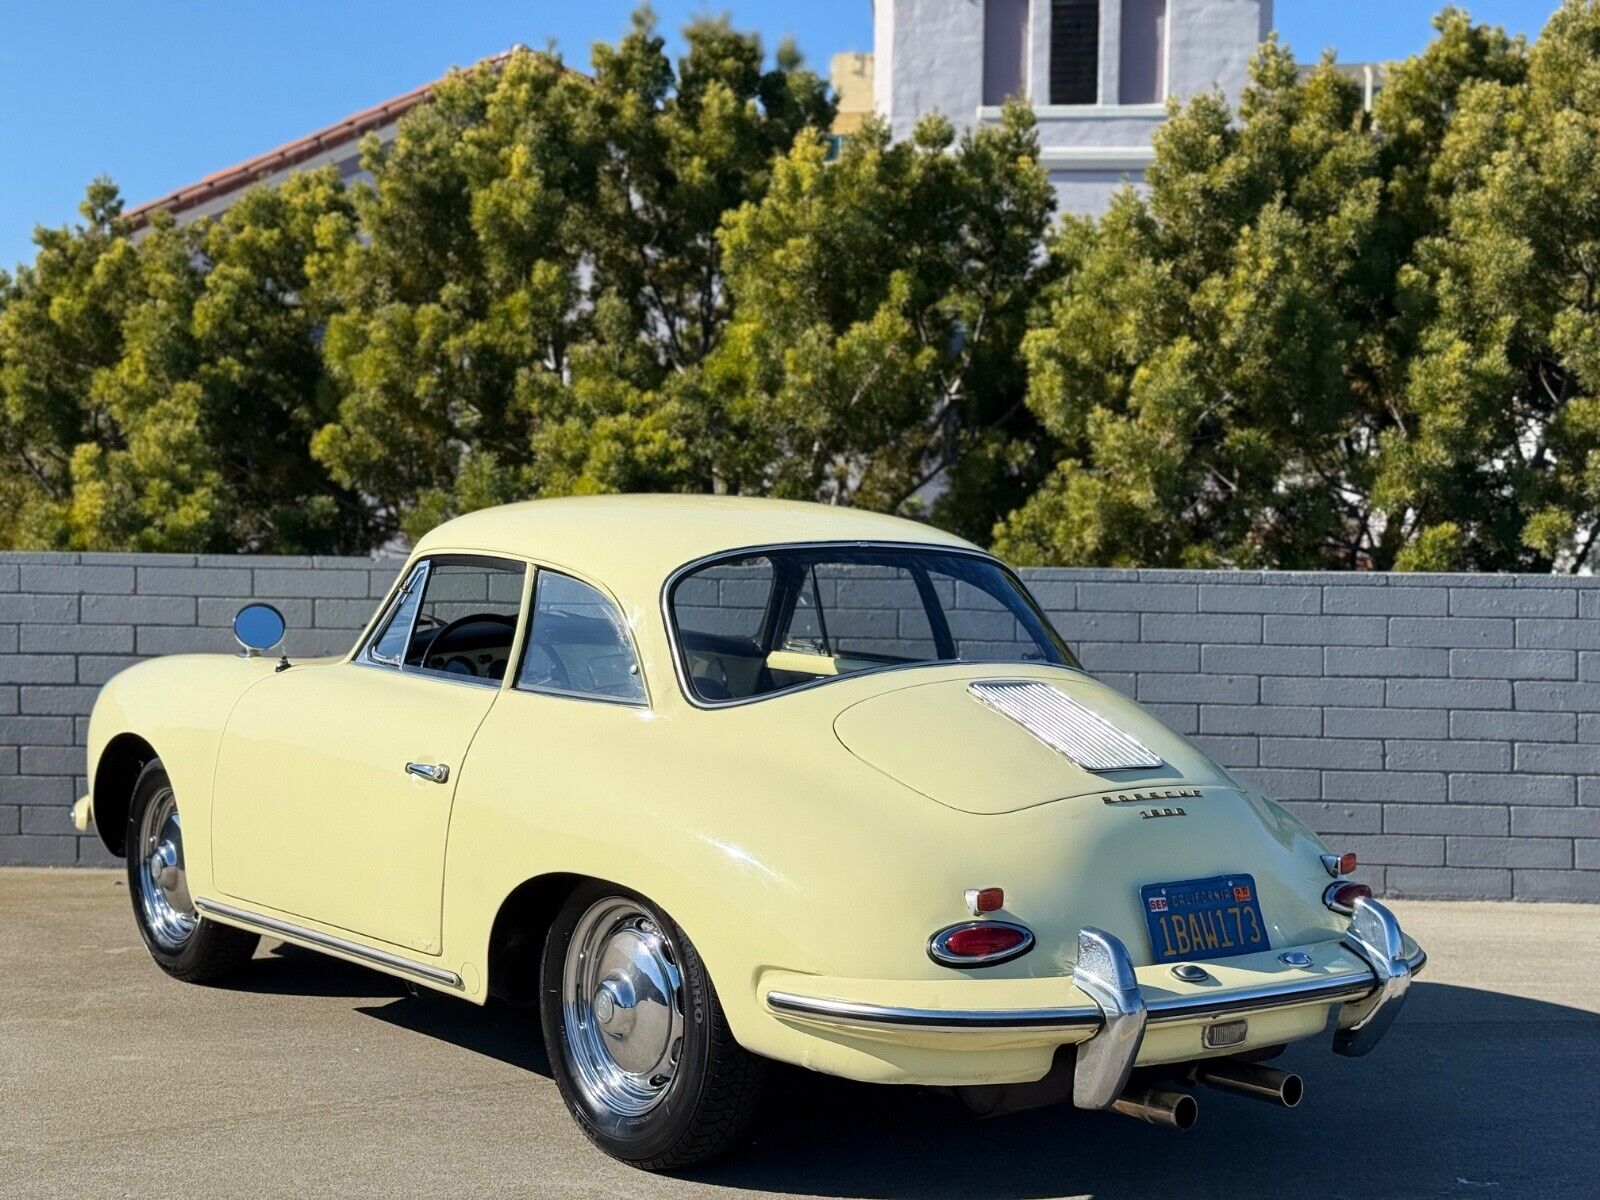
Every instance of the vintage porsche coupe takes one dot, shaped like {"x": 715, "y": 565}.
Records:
{"x": 710, "y": 782}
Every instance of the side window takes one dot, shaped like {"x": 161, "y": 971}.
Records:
{"x": 578, "y": 644}
{"x": 456, "y": 616}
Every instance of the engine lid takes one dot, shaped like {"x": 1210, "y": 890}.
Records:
{"x": 1000, "y": 743}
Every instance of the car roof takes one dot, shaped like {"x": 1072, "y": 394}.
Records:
{"x": 637, "y": 541}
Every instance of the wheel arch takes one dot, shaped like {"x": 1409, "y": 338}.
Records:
{"x": 516, "y": 937}
{"x": 115, "y": 773}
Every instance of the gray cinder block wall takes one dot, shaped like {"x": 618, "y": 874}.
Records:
{"x": 1444, "y": 727}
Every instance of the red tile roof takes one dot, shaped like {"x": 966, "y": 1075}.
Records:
{"x": 291, "y": 154}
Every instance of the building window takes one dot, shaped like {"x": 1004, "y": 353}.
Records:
{"x": 1074, "y": 51}
{"x": 1005, "y": 50}
{"x": 1143, "y": 71}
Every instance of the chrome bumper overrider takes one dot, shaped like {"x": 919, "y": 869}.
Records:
{"x": 1120, "y": 1013}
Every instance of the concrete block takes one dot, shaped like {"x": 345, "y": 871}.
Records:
{"x": 1180, "y": 718}
{"x": 22, "y": 608}
{"x": 139, "y": 610}
{"x": 58, "y": 700}
{"x": 74, "y": 580}
{"x": 1253, "y": 598}
{"x": 1138, "y": 597}
{"x": 1476, "y": 820}
{"x": 76, "y": 639}
{"x": 354, "y": 614}
{"x": 1261, "y": 660}
{"x": 1327, "y": 753}
{"x": 1449, "y": 693}
{"x": 1397, "y": 787}
{"x": 1476, "y": 633}
{"x": 1586, "y": 854}
{"x": 1508, "y": 852}
{"x": 1385, "y": 722}
{"x": 33, "y": 851}
{"x": 1541, "y": 633}
{"x": 1201, "y": 627}
{"x": 1386, "y": 662}
{"x": 1332, "y": 816}
{"x": 37, "y": 790}
{"x": 1203, "y": 689}
{"x": 184, "y": 639}
{"x": 1406, "y": 755}
{"x": 1098, "y": 627}
{"x": 194, "y": 581}
{"x": 1513, "y": 664}
{"x": 36, "y": 668}
{"x": 1395, "y": 849}
{"x": 1513, "y": 726}
{"x": 1513, "y": 602}
{"x": 1449, "y": 883}
{"x": 1549, "y": 758}
{"x": 1471, "y": 788}
{"x": 1577, "y": 886}
{"x": 1230, "y": 751}
{"x": 53, "y": 760}
{"x": 272, "y": 581}
{"x": 1282, "y": 783}
{"x": 1260, "y": 719}
{"x": 99, "y": 668}
{"x": 1537, "y": 695}
{"x": 1555, "y": 822}
{"x": 1385, "y": 601}
{"x": 1325, "y": 631}
{"x": 1343, "y": 692}
{"x": 1176, "y": 657}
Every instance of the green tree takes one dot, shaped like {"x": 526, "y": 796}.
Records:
{"x": 540, "y": 279}
{"x": 880, "y": 301}
{"x": 1219, "y": 360}
{"x": 162, "y": 395}
{"x": 1496, "y": 462}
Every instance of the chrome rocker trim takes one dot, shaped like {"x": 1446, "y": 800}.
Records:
{"x": 317, "y": 940}
{"x": 1120, "y": 1013}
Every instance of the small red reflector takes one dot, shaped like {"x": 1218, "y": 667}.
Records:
{"x": 1347, "y": 862}
{"x": 1342, "y": 897}
{"x": 987, "y": 900}
{"x": 977, "y": 941}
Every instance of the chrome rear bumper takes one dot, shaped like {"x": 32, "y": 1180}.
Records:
{"x": 1110, "y": 1031}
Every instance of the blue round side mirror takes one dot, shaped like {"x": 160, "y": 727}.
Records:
{"x": 258, "y": 627}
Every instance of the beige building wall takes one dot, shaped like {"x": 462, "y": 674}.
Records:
{"x": 851, "y": 77}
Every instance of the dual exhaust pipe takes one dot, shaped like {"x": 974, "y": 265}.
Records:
{"x": 1180, "y": 1110}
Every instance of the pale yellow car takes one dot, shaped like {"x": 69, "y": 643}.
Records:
{"x": 708, "y": 782}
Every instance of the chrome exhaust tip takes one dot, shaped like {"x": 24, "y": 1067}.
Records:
{"x": 1283, "y": 1088}
{"x": 1158, "y": 1106}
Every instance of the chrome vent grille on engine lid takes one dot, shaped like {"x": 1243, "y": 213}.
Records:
{"x": 1064, "y": 725}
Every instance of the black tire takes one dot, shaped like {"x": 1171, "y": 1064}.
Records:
{"x": 716, "y": 1089}
{"x": 208, "y": 951}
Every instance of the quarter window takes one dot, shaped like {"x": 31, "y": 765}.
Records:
{"x": 578, "y": 644}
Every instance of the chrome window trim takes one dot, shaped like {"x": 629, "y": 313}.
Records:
{"x": 686, "y": 687}
{"x": 416, "y": 578}
{"x": 421, "y": 572}
{"x": 512, "y": 676}
{"x": 327, "y": 941}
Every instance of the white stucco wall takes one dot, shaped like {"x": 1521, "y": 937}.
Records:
{"x": 929, "y": 57}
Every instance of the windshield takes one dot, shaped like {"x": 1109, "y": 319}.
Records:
{"x": 760, "y": 623}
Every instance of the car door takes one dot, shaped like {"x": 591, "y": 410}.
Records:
{"x": 334, "y": 782}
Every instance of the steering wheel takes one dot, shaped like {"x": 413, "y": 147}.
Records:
{"x": 471, "y": 619}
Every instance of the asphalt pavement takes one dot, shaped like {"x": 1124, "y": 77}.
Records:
{"x": 308, "y": 1077}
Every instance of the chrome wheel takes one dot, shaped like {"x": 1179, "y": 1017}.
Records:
{"x": 622, "y": 1003}
{"x": 169, "y": 914}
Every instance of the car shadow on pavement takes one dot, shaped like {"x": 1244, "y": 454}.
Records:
{"x": 1471, "y": 1093}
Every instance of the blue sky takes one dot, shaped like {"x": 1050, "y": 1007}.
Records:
{"x": 160, "y": 93}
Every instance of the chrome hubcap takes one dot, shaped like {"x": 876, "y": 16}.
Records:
{"x": 163, "y": 888}
{"x": 622, "y": 998}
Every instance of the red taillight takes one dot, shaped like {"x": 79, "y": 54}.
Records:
{"x": 1347, "y": 862}
{"x": 985, "y": 900}
{"x": 979, "y": 943}
{"x": 1342, "y": 897}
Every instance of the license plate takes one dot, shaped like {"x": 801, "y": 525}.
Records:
{"x": 1203, "y": 918}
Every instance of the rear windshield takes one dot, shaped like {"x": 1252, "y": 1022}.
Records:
{"x": 757, "y": 624}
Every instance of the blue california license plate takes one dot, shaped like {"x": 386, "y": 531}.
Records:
{"x": 1204, "y": 918}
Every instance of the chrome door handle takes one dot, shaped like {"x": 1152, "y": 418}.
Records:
{"x": 432, "y": 772}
